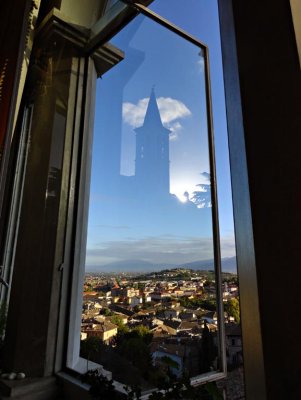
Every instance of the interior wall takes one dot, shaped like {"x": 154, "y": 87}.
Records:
{"x": 84, "y": 16}
{"x": 296, "y": 13}
{"x": 270, "y": 83}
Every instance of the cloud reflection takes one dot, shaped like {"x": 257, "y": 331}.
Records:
{"x": 170, "y": 111}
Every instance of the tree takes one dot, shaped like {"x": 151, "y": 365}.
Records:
{"x": 134, "y": 349}
{"x": 233, "y": 309}
{"x": 107, "y": 312}
{"x": 117, "y": 320}
{"x": 134, "y": 346}
{"x": 101, "y": 387}
{"x": 89, "y": 348}
{"x": 144, "y": 333}
{"x": 208, "y": 350}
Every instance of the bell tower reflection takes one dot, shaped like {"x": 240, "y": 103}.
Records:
{"x": 152, "y": 153}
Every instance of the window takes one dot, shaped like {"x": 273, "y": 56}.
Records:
{"x": 36, "y": 282}
{"x": 155, "y": 165}
{"x": 152, "y": 216}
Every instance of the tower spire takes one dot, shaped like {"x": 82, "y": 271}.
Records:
{"x": 152, "y": 152}
{"x": 152, "y": 114}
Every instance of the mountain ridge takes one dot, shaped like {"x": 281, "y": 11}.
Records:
{"x": 228, "y": 265}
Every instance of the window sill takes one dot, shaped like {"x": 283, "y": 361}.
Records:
{"x": 29, "y": 389}
{"x": 72, "y": 387}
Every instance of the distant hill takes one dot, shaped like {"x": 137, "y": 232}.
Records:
{"x": 129, "y": 266}
{"x": 228, "y": 265}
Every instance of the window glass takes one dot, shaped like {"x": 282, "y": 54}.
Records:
{"x": 201, "y": 19}
{"x": 110, "y": 3}
{"x": 150, "y": 292}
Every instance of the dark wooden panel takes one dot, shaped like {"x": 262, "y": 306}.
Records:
{"x": 270, "y": 82}
{"x": 251, "y": 329}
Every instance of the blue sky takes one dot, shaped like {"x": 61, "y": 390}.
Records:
{"x": 123, "y": 223}
{"x": 200, "y": 19}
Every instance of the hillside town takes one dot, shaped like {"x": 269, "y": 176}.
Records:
{"x": 148, "y": 328}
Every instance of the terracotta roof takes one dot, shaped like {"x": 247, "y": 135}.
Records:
{"x": 104, "y": 326}
{"x": 172, "y": 323}
{"x": 90, "y": 294}
{"x": 188, "y": 325}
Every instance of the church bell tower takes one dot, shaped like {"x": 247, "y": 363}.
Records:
{"x": 152, "y": 152}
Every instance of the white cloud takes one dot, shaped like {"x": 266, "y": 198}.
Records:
{"x": 118, "y": 227}
{"x": 153, "y": 249}
{"x": 166, "y": 249}
{"x": 175, "y": 128}
{"x": 203, "y": 188}
{"x": 133, "y": 114}
{"x": 171, "y": 110}
{"x": 228, "y": 246}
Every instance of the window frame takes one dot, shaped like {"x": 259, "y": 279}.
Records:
{"x": 252, "y": 342}
{"x": 99, "y": 37}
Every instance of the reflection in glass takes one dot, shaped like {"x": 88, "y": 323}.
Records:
{"x": 110, "y": 3}
{"x": 150, "y": 289}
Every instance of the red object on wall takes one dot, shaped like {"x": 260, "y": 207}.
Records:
{"x": 12, "y": 39}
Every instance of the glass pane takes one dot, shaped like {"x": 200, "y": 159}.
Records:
{"x": 110, "y": 3}
{"x": 149, "y": 308}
